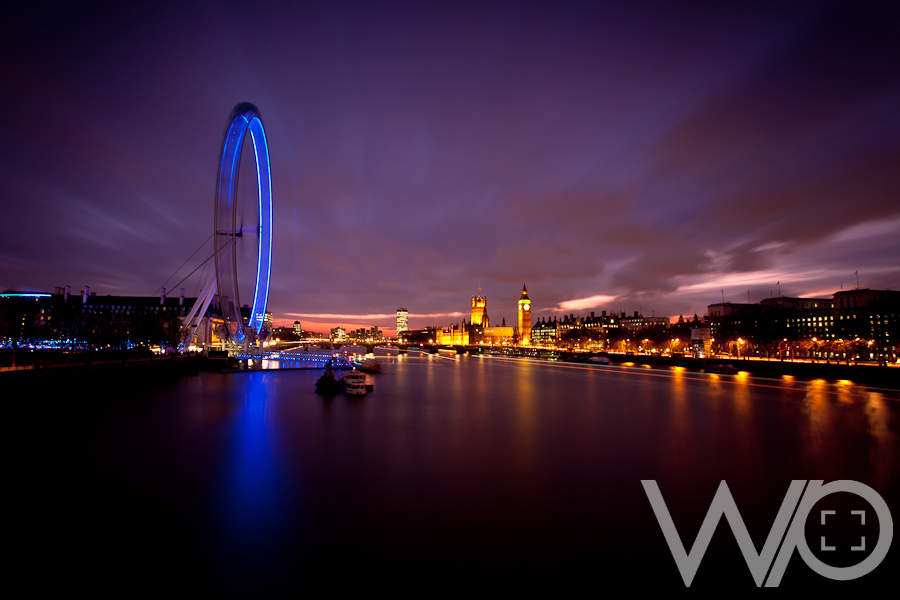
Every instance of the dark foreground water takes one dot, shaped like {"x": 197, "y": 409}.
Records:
{"x": 450, "y": 474}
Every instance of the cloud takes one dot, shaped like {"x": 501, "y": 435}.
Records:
{"x": 868, "y": 230}
{"x": 585, "y": 303}
{"x": 596, "y": 152}
{"x": 371, "y": 317}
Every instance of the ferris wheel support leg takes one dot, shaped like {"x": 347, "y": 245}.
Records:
{"x": 192, "y": 321}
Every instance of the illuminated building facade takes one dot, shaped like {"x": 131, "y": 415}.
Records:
{"x": 701, "y": 342}
{"x": 524, "y": 306}
{"x": 418, "y": 336}
{"x": 544, "y": 333}
{"x": 639, "y": 322}
{"x": 498, "y": 335}
{"x": 861, "y": 323}
{"x": 62, "y": 319}
{"x": 455, "y": 335}
{"x": 593, "y": 332}
{"x": 402, "y": 320}
{"x": 479, "y": 311}
{"x": 366, "y": 335}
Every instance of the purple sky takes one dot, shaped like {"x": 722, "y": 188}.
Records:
{"x": 643, "y": 156}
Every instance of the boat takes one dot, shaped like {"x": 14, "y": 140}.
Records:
{"x": 327, "y": 385}
{"x": 368, "y": 365}
{"x": 602, "y": 360}
{"x": 355, "y": 383}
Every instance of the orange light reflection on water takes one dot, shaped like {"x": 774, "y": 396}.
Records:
{"x": 882, "y": 451}
{"x": 678, "y": 454}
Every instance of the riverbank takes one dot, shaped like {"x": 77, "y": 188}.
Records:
{"x": 102, "y": 364}
{"x": 869, "y": 375}
{"x": 92, "y": 364}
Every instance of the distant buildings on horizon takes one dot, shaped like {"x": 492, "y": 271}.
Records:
{"x": 823, "y": 327}
{"x": 862, "y": 323}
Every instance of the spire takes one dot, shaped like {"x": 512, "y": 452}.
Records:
{"x": 524, "y": 292}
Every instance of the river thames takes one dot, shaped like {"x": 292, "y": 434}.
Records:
{"x": 452, "y": 472}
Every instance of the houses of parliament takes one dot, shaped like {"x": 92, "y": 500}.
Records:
{"x": 479, "y": 330}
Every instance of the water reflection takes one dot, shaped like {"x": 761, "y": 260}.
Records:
{"x": 883, "y": 442}
{"x": 252, "y": 500}
{"x": 456, "y": 466}
{"x": 677, "y": 454}
{"x": 525, "y": 414}
{"x": 847, "y": 432}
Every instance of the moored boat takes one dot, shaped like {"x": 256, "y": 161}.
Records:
{"x": 368, "y": 365}
{"x": 327, "y": 385}
{"x": 355, "y": 383}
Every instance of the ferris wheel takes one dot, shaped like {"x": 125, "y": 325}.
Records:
{"x": 238, "y": 233}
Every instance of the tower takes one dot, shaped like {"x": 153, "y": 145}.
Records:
{"x": 479, "y": 309}
{"x": 524, "y": 317}
{"x": 402, "y": 320}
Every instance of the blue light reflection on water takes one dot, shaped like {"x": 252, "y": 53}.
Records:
{"x": 251, "y": 516}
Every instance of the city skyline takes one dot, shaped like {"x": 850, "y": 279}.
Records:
{"x": 648, "y": 157}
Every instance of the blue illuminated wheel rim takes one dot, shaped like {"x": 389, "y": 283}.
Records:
{"x": 245, "y": 117}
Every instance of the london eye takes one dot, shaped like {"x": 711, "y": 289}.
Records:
{"x": 242, "y": 235}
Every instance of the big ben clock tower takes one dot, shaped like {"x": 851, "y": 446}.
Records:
{"x": 524, "y": 317}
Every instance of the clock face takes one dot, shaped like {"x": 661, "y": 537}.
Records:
{"x": 526, "y": 307}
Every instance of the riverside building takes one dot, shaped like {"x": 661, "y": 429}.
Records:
{"x": 862, "y": 324}
{"x": 402, "y": 320}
